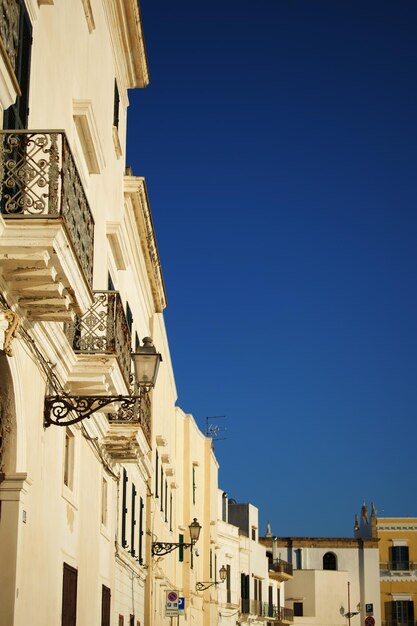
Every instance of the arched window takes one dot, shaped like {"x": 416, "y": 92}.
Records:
{"x": 329, "y": 561}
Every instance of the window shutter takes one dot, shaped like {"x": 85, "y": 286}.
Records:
{"x": 124, "y": 508}
{"x": 141, "y": 530}
{"x": 133, "y": 521}
{"x": 181, "y": 549}
{"x": 105, "y": 606}
{"x": 69, "y": 596}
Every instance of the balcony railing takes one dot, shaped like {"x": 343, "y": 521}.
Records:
{"x": 103, "y": 329}
{"x": 39, "y": 180}
{"x": 399, "y": 623}
{"x": 277, "y": 613}
{"x": 398, "y": 566}
{"x": 279, "y": 566}
{"x": 9, "y": 28}
{"x": 140, "y": 413}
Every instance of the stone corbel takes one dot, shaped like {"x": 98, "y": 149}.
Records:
{"x": 9, "y": 324}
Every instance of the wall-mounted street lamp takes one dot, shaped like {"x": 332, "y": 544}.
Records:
{"x": 204, "y": 586}
{"x": 67, "y": 409}
{"x": 160, "y": 548}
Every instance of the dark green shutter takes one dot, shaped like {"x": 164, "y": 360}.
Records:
{"x": 181, "y": 549}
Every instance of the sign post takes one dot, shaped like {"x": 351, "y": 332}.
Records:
{"x": 171, "y": 604}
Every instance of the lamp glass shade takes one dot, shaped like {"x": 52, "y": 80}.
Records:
{"x": 146, "y": 362}
{"x": 194, "y": 530}
{"x": 223, "y": 573}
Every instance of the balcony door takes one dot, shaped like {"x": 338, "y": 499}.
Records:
{"x": 69, "y": 596}
{"x": 16, "y": 116}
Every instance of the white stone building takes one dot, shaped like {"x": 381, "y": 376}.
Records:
{"x": 334, "y": 579}
{"x": 254, "y": 592}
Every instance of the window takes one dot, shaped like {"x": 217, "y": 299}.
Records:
{"x": 162, "y": 489}
{"x": 228, "y": 583}
{"x": 105, "y": 606}
{"x": 166, "y": 501}
{"x": 181, "y": 549}
{"x": 194, "y": 485}
{"x": 104, "y": 488}
{"x": 170, "y": 512}
{"x": 224, "y": 506}
{"x": 244, "y": 593}
{"x": 399, "y": 558}
{"x": 253, "y": 533}
{"x": 298, "y": 609}
{"x": 69, "y": 459}
{"x": 257, "y": 591}
{"x": 110, "y": 283}
{"x": 132, "y": 620}
{"x": 141, "y": 506}
{"x": 156, "y": 473}
{"x": 124, "y": 507}
{"x": 116, "y": 105}
{"x": 129, "y": 317}
{"x": 16, "y": 116}
{"x": 69, "y": 596}
{"x": 298, "y": 558}
{"x": 400, "y": 612}
{"x": 329, "y": 561}
{"x": 270, "y": 601}
{"x": 133, "y": 521}
{"x": 121, "y": 620}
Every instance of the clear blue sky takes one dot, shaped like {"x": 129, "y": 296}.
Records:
{"x": 279, "y": 144}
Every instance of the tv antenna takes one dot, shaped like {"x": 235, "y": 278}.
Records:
{"x": 213, "y": 430}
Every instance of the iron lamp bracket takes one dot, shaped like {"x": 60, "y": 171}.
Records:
{"x": 65, "y": 410}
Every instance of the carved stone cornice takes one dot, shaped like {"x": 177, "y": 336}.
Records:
{"x": 126, "y": 31}
{"x": 135, "y": 188}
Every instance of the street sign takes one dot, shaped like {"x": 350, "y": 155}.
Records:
{"x": 181, "y": 605}
{"x": 369, "y": 621}
{"x": 171, "y": 604}
{"x": 369, "y": 608}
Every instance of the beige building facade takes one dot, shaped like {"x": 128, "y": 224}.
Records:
{"x": 102, "y": 476}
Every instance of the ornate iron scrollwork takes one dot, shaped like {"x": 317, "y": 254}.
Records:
{"x": 66, "y": 410}
{"x": 160, "y": 548}
{"x": 203, "y": 586}
{"x": 38, "y": 177}
{"x": 103, "y": 329}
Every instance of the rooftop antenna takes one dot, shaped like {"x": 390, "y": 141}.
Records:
{"x": 213, "y": 430}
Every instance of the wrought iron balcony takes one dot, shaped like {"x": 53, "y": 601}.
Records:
{"x": 280, "y": 569}
{"x": 9, "y": 28}
{"x": 102, "y": 331}
{"x": 398, "y": 566}
{"x": 277, "y": 614}
{"x": 140, "y": 415}
{"x": 271, "y": 612}
{"x": 47, "y": 243}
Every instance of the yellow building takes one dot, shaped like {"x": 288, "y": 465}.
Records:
{"x": 398, "y": 569}
{"x": 397, "y": 564}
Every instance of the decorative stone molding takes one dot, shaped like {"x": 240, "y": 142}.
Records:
{"x": 126, "y": 31}
{"x": 89, "y": 15}
{"x": 135, "y": 190}
{"x": 13, "y": 485}
{"x": 88, "y": 135}
{"x": 117, "y": 245}
{"x": 9, "y": 324}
